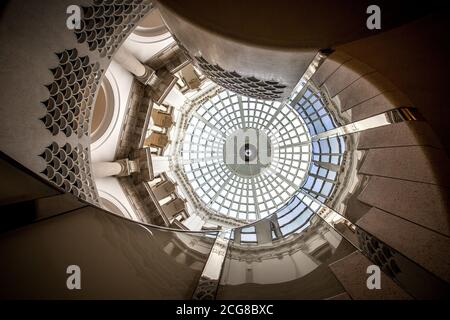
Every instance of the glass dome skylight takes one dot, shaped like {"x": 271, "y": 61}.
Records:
{"x": 244, "y": 158}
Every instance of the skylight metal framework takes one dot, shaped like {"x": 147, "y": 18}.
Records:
{"x": 247, "y": 198}
{"x": 327, "y": 156}
{"x": 314, "y": 112}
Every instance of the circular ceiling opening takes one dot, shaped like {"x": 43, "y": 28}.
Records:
{"x": 243, "y": 157}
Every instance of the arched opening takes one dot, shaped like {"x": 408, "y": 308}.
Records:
{"x": 103, "y": 111}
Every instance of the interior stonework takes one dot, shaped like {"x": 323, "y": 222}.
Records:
{"x": 224, "y": 150}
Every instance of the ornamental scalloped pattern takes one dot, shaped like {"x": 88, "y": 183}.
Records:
{"x": 206, "y": 289}
{"x": 68, "y": 168}
{"x": 378, "y": 252}
{"x": 247, "y": 86}
{"x": 107, "y": 23}
{"x": 72, "y": 94}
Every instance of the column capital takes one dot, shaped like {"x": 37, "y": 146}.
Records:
{"x": 149, "y": 77}
{"x": 143, "y": 160}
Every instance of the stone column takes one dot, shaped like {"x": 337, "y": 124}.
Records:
{"x": 263, "y": 231}
{"x": 143, "y": 169}
{"x": 143, "y": 73}
{"x": 108, "y": 169}
{"x": 237, "y": 235}
{"x": 276, "y": 227}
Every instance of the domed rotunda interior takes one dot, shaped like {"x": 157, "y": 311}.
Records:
{"x": 221, "y": 150}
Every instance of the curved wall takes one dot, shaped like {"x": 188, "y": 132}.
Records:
{"x": 257, "y": 71}
{"x": 292, "y": 24}
{"x": 401, "y": 194}
{"x": 400, "y": 189}
{"x": 60, "y": 80}
{"x": 118, "y": 259}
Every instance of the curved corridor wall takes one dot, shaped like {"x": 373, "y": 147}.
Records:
{"x": 50, "y": 77}
{"x": 118, "y": 259}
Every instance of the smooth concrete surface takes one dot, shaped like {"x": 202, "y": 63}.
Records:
{"x": 341, "y": 296}
{"x": 423, "y": 204}
{"x": 349, "y": 72}
{"x": 413, "y": 163}
{"x": 423, "y": 246}
{"x": 283, "y": 65}
{"x": 50, "y": 206}
{"x": 153, "y": 20}
{"x": 383, "y": 102}
{"x": 414, "y": 57}
{"x": 364, "y": 88}
{"x": 351, "y": 272}
{"x": 357, "y": 87}
{"x": 329, "y": 66}
{"x": 292, "y": 24}
{"x": 269, "y": 270}
{"x": 12, "y": 185}
{"x": 118, "y": 259}
{"x": 402, "y": 134}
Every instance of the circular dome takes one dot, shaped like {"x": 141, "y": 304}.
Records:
{"x": 243, "y": 157}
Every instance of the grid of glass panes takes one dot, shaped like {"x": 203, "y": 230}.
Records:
{"x": 207, "y": 178}
{"x": 290, "y": 159}
{"x": 328, "y": 150}
{"x": 321, "y": 178}
{"x": 314, "y": 112}
{"x": 294, "y": 217}
{"x": 258, "y": 113}
{"x": 201, "y": 141}
{"x": 236, "y": 199}
{"x": 240, "y": 197}
{"x": 229, "y": 234}
{"x": 248, "y": 235}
